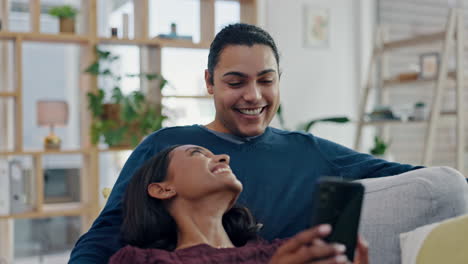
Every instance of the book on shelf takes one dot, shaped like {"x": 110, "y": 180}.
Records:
{"x": 5, "y": 187}
{"x": 19, "y": 202}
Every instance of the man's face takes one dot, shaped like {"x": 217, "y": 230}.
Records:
{"x": 245, "y": 89}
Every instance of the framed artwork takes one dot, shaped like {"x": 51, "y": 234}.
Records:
{"x": 316, "y": 28}
{"x": 429, "y": 64}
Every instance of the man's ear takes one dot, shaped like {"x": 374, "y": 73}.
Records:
{"x": 208, "y": 83}
{"x": 160, "y": 190}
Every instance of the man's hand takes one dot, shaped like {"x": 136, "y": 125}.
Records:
{"x": 308, "y": 247}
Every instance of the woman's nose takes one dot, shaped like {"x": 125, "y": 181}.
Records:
{"x": 223, "y": 158}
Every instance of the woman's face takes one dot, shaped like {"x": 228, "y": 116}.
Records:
{"x": 195, "y": 173}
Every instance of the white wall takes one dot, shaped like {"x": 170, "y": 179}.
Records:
{"x": 321, "y": 82}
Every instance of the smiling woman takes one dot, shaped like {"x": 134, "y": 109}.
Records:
{"x": 176, "y": 181}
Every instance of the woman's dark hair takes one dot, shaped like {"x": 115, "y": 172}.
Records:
{"x": 148, "y": 224}
{"x": 238, "y": 34}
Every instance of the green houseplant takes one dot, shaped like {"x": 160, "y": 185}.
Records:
{"x": 122, "y": 119}
{"x": 66, "y": 15}
{"x": 306, "y": 126}
{"x": 380, "y": 147}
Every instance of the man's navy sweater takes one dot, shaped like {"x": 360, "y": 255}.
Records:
{"x": 277, "y": 169}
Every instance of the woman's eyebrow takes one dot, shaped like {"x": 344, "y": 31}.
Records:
{"x": 194, "y": 148}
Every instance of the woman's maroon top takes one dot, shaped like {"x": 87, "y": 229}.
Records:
{"x": 253, "y": 252}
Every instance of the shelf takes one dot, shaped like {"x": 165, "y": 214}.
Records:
{"x": 418, "y": 40}
{"x": 8, "y": 94}
{"x": 157, "y": 42}
{"x": 400, "y": 122}
{"x": 41, "y": 37}
{"x": 188, "y": 96}
{"x": 180, "y": 43}
{"x": 44, "y": 152}
{"x": 81, "y": 39}
{"x": 396, "y": 82}
{"x": 51, "y": 210}
{"x": 116, "y": 149}
{"x": 126, "y": 41}
{"x": 392, "y": 122}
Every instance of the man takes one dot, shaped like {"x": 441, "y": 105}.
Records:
{"x": 277, "y": 168}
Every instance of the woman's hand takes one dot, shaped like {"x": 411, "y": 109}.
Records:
{"x": 362, "y": 252}
{"x": 308, "y": 247}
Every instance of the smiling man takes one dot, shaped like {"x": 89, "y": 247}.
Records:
{"x": 245, "y": 86}
{"x": 277, "y": 168}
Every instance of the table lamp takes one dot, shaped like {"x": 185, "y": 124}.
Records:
{"x": 52, "y": 114}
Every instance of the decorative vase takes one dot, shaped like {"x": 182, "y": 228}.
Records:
{"x": 67, "y": 25}
{"x": 420, "y": 113}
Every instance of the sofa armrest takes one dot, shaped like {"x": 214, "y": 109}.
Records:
{"x": 401, "y": 203}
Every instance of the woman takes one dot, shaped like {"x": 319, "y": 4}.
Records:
{"x": 180, "y": 208}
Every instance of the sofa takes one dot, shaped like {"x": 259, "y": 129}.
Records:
{"x": 399, "y": 204}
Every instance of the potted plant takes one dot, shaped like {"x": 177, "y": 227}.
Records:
{"x": 380, "y": 148}
{"x": 66, "y": 15}
{"x": 122, "y": 119}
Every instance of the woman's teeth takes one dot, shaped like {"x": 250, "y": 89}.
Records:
{"x": 221, "y": 170}
{"x": 255, "y": 111}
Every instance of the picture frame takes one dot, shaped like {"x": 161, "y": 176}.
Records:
{"x": 316, "y": 27}
{"x": 429, "y": 64}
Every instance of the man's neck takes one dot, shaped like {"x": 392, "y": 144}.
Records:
{"x": 215, "y": 126}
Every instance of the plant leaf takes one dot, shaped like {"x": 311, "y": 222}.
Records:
{"x": 117, "y": 95}
{"x": 308, "y": 125}
{"x": 102, "y": 54}
{"x": 93, "y": 68}
{"x": 162, "y": 84}
{"x": 151, "y": 76}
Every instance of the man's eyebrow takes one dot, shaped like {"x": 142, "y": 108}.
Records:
{"x": 265, "y": 72}
{"x": 240, "y": 74}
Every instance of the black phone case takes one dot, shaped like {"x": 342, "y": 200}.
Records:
{"x": 338, "y": 203}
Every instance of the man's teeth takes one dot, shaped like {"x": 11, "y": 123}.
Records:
{"x": 255, "y": 111}
{"x": 221, "y": 170}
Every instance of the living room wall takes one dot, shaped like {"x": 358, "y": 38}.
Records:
{"x": 323, "y": 81}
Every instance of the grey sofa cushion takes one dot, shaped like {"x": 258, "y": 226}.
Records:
{"x": 401, "y": 203}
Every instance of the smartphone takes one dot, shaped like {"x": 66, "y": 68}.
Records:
{"x": 338, "y": 203}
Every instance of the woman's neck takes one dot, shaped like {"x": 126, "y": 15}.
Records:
{"x": 201, "y": 224}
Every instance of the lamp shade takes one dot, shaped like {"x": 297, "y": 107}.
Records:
{"x": 53, "y": 113}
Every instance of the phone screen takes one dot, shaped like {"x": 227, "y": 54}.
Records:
{"x": 338, "y": 203}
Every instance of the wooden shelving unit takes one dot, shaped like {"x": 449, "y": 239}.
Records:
{"x": 414, "y": 41}
{"x": 88, "y": 207}
{"x": 51, "y": 210}
{"x": 452, "y": 39}
{"x": 389, "y": 83}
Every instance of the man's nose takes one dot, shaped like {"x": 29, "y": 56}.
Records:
{"x": 252, "y": 93}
